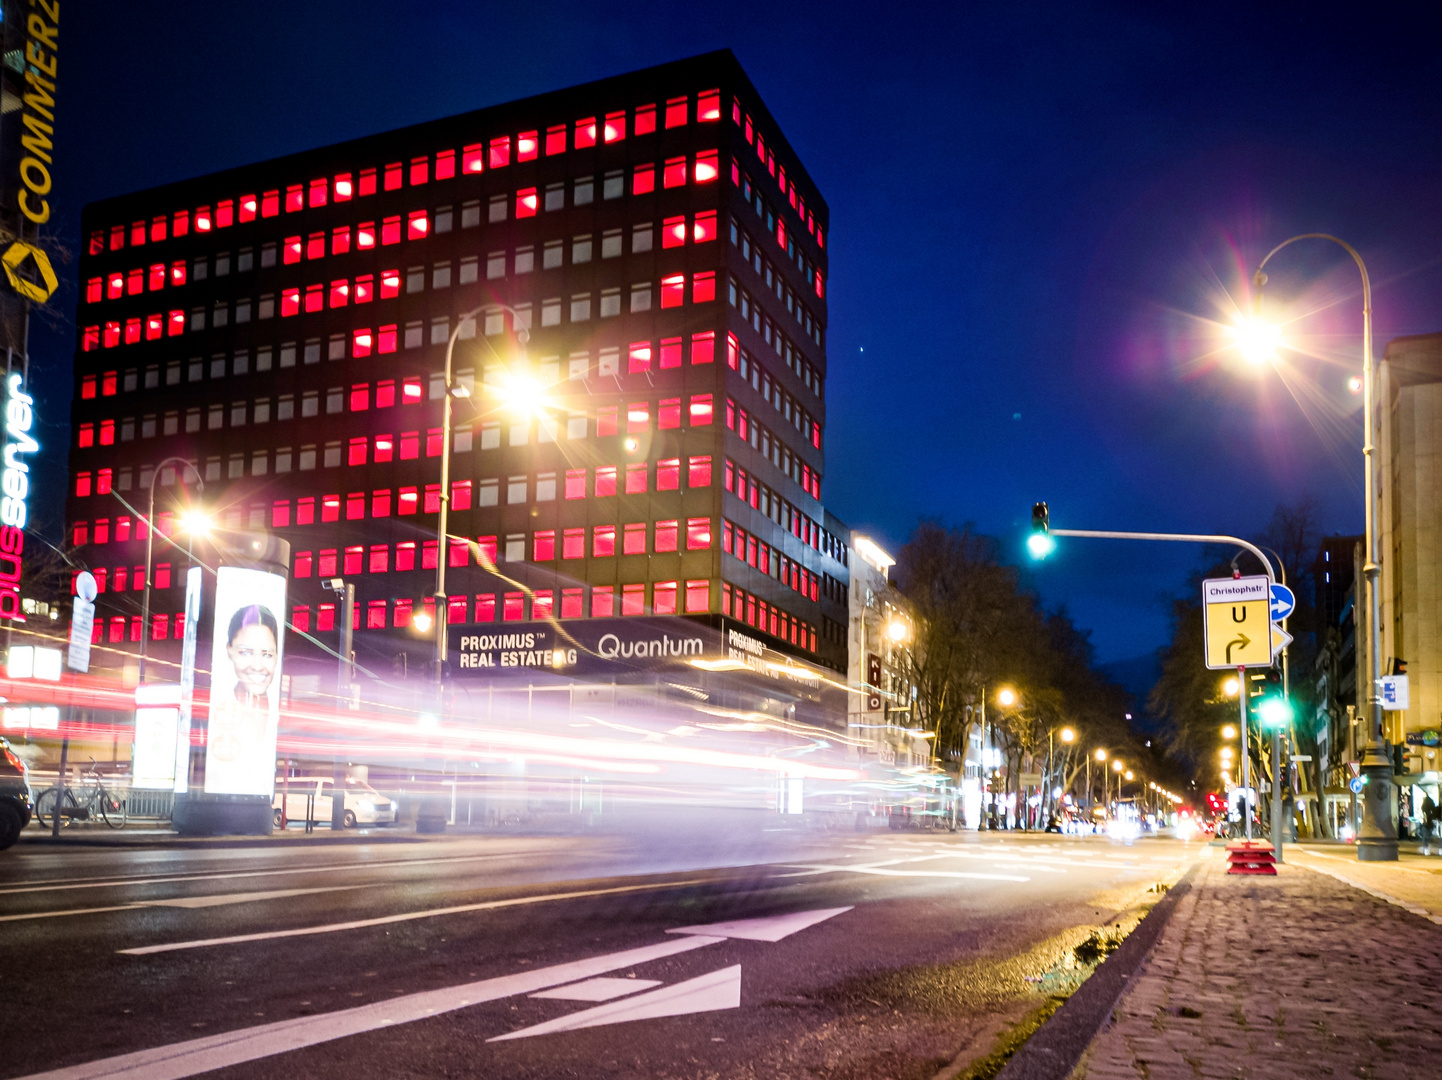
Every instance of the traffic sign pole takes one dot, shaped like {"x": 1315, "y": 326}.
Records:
{"x": 1246, "y": 754}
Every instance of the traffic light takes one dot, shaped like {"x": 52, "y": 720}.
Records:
{"x": 1040, "y": 543}
{"x": 1274, "y": 711}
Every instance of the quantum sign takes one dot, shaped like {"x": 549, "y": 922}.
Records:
{"x": 15, "y": 486}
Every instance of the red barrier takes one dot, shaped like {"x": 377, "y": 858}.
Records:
{"x": 1251, "y": 857}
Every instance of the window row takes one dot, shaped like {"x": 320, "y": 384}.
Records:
{"x": 809, "y": 271}
{"x": 752, "y": 312}
{"x": 773, "y": 449}
{"x": 783, "y": 401}
{"x": 769, "y": 619}
{"x": 751, "y": 132}
{"x": 759, "y": 555}
{"x": 496, "y": 153}
{"x": 767, "y": 327}
{"x": 800, "y": 525}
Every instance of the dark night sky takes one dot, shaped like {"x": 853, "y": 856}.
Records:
{"x": 1038, "y": 212}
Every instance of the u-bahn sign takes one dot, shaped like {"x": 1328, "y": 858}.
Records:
{"x": 1238, "y": 619}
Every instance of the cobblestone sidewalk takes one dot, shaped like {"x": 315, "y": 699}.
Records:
{"x": 1301, "y": 975}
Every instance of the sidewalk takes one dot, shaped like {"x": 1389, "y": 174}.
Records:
{"x": 1300, "y": 975}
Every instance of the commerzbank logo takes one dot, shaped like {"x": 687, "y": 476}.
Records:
{"x": 611, "y": 647}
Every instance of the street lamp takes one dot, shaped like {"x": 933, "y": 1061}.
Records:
{"x": 1006, "y": 697}
{"x": 192, "y": 521}
{"x": 1377, "y": 836}
{"x": 524, "y": 387}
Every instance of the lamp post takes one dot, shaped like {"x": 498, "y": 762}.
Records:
{"x": 1377, "y": 834}
{"x": 442, "y": 615}
{"x": 150, "y": 550}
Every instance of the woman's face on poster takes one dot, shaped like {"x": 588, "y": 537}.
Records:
{"x": 253, "y": 653}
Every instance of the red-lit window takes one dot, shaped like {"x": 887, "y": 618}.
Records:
{"x": 365, "y": 235}
{"x": 107, "y": 433}
{"x": 154, "y": 326}
{"x": 603, "y": 602}
{"x": 305, "y": 510}
{"x": 636, "y": 476}
{"x": 707, "y": 167}
{"x": 391, "y": 230}
{"x": 299, "y": 618}
{"x": 526, "y": 203}
{"x": 390, "y": 283}
{"x": 362, "y": 341}
{"x": 556, "y": 140}
{"x": 122, "y": 533}
{"x": 665, "y": 536}
{"x": 486, "y": 550}
{"x": 365, "y": 289}
{"x": 385, "y": 393}
{"x": 386, "y": 339}
{"x": 606, "y": 421}
{"x": 638, "y": 358}
{"x": 406, "y": 555}
{"x": 132, "y": 331}
{"x": 703, "y": 287}
{"x": 339, "y": 293}
{"x": 367, "y": 184}
{"x": 107, "y": 384}
{"x": 605, "y": 480}
{"x": 668, "y": 474}
{"x": 90, "y": 339}
{"x": 643, "y": 180}
{"x": 157, "y": 229}
{"x": 500, "y": 152}
{"x": 224, "y": 214}
{"x": 392, "y": 178}
{"x": 575, "y": 483}
{"x": 445, "y": 164}
{"x": 429, "y": 555}
{"x": 325, "y": 617}
{"x": 673, "y": 173}
{"x": 82, "y": 487}
{"x": 461, "y": 495}
{"x": 177, "y": 273}
{"x": 585, "y": 132}
{"x": 176, "y": 323}
{"x": 633, "y": 599}
{"x": 418, "y": 225}
{"x": 485, "y": 607}
{"x": 664, "y": 598}
{"x": 668, "y": 413}
{"x": 676, "y": 112}
{"x": 381, "y": 503}
{"x": 820, "y": 285}
{"x": 342, "y": 188}
{"x": 513, "y": 607}
{"x": 638, "y": 417}
{"x": 137, "y": 234}
{"x": 603, "y": 541}
{"x": 703, "y": 347}
{"x": 704, "y": 228}
{"x": 708, "y": 106}
{"x": 434, "y": 442}
{"x": 115, "y": 286}
{"x": 360, "y": 397}
{"x": 86, "y": 436}
{"x": 155, "y": 280}
{"x": 330, "y": 509}
{"x": 420, "y": 170}
{"x": 376, "y": 614}
{"x": 573, "y": 544}
{"x": 633, "y": 539}
{"x": 698, "y": 596}
{"x": 543, "y": 548}
{"x": 303, "y": 564}
{"x": 294, "y": 199}
{"x": 117, "y": 234}
{"x": 379, "y": 561}
{"x": 473, "y": 158}
{"x": 411, "y": 390}
{"x": 314, "y": 297}
{"x": 280, "y": 514}
{"x": 528, "y": 144}
{"x": 698, "y": 534}
{"x": 102, "y": 482}
{"x": 290, "y": 251}
{"x": 162, "y": 574}
{"x": 614, "y": 129}
{"x": 352, "y": 560}
{"x": 315, "y": 246}
{"x": 673, "y": 290}
{"x": 135, "y": 281}
{"x": 670, "y": 352}
{"x": 269, "y": 204}
{"x": 571, "y": 600}
{"x": 781, "y": 234}
{"x": 97, "y": 242}
{"x": 698, "y": 471}
{"x": 673, "y": 231}
{"x": 410, "y": 445}
{"x": 407, "y": 501}
{"x": 94, "y": 290}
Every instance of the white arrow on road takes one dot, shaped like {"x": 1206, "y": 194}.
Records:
{"x": 711, "y": 992}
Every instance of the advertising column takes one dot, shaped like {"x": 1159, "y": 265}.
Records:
{"x": 231, "y": 753}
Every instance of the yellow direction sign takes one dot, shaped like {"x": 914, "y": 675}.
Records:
{"x": 1238, "y": 619}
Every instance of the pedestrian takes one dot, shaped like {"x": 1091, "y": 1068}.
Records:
{"x": 1429, "y": 824}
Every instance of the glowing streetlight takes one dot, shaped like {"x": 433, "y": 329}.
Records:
{"x": 1006, "y": 697}
{"x": 896, "y": 631}
{"x": 1068, "y": 735}
{"x": 196, "y": 523}
{"x": 421, "y": 622}
{"x": 1231, "y": 686}
{"x": 1117, "y": 765}
{"x": 1229, "y": 732}
{"x": 1128, "y": 774}
{"x": 1256, "y": 339}
{"x": 1101, "y": 755}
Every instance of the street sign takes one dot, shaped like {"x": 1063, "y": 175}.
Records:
{"x": 1428, "y": 737}
{"x": 1284, "y": 602}
{"x": 1238, "y": 621}
{"x": 1356, "y": 784}
{"x": 1356, "y": 767}
{"x": 1281, "y": 639}
{"x": 1395, "y": 694}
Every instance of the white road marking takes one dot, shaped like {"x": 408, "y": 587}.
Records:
{"x": 772, "y": 928}
{"x": 711, "y": 992}
{"x": 266, "y": 1040}
{"x": 813, "y": 869}
{"x": 603, "y": 988}
{"x": 386, "y": 920}
{"x": 180, "y": 902}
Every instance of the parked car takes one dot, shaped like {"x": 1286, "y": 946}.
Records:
{"x": 364, "y": 805}
{"x": 17, "y": 802}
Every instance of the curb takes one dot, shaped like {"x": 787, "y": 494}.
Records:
{"x": 174, "y": 840}
{"x": 1053, "y": 1051}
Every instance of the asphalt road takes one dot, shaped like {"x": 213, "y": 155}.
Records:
{"x": 799, "y": 954}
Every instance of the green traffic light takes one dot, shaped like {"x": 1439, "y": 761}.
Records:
{"x": 1040, "y": 543}
{"x": 1275, "y": 712}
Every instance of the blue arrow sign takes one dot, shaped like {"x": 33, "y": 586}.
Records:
{"x": 1284, "y": 602}
{"x": 1356, "y": 784}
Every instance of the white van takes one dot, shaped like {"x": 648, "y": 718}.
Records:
{"x": 364, "y": 805}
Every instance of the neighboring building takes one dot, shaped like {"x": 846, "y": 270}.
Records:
{"x": 881, "y": 710}
{"x": 643, "y": 428}
{"x": 1335, "y": 574}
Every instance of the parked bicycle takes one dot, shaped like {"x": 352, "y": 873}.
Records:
{"x": 87, "y": 800}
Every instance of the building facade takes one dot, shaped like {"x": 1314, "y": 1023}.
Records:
{"x": 632, "y": 276}
{"x": 881, "y": 633}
